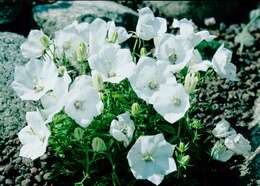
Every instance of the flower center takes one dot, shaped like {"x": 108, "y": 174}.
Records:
{"x": 173, "y": 57}
{"x": 176, "y": 101}
{"x": 148, "y": 157}
{"x": 111, "y": 74}
{"x": 78, "y": 105}
{"x": 153, "y": 85}
{"x": 38, "y": 87}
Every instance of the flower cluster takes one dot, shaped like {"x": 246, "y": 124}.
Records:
{"x": 230, "y": 142}
{"x": 68, "y": 72}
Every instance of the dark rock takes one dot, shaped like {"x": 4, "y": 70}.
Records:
{"x": 52, "y": 17}
{"x": 199, "y": 10}
{"x": 9, "y": 11}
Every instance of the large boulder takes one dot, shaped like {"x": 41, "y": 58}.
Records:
{"x": 52, "y": 17}
{"x": 12, "y": 108}
{"x": 226, "y": 11}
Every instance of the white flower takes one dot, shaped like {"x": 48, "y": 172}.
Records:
{"x": 197, "y": 64}
{"x": 220, "y": 152}
{"x": 187, "y": 32}
{"x": 149, "y": 26}
{"x": 172, "y": 50}
{"x": 97, "y": 36}
{"x": 172, "y": 102}
{"x": 221, "y": 63}
{"x": 34, "y": 79}
{"x": 35, "y": 45}
{"x": 54, "y": 101}
{"x": 123, "y": 128}
{"x": 148, "y": 76}
{"x": 112, "y": 63}
{"x": 151, "y": 158}
{"x": 117, "y": 33}
{"x": 83, "y": 101}
{"x": 34, "y": 137}
{"x": 223, "y": 129}
{"x": 238, "y": 144}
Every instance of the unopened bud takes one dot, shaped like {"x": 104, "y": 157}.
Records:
{"x": 78, "y": 133}
{"x": 97, "y": 82}
{"x": 98, "y": 145}
{"x": 82, "y": 52}
{"x": 135, "y": 109}
{"x": 45, "y": 41}
{"x": 113, "y": 38}
{"x": 190, "y": 83}
{"x": 61, "y": 71}
{"x": 143, "y": 52}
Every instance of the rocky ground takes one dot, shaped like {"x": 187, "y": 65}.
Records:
{"x": 233, "y": 101}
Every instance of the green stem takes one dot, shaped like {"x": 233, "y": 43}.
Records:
{"x": 115, "y": 178}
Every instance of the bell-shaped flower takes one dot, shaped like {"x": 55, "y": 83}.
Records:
{"x": 220, "y": 152}
{"x": 112, "y": 63}
{"x": 221, "y": 63}
{"x": 117, "y": 34}
{"x": 35, "y": 45}
{"x": 54, "y": 100}
{"x": 34, "y": 137}
{"x": 238, "y": 144}
{"x": 122, "y": 128}
{"x": 149, "y": 26}
{"x": 187, "y": 32}
{"x": 148, "y": 76}
{"x": 172, "y": 50}
{"x": 171, "y": 102}
{"x": 83, "y": 101}
{"x": 197, "y": 64}
{"x": 97, "y": 36}
{"x": 223, "y": 129}
{"x": 34, "y": 79}
{"x": 151, "y": 158}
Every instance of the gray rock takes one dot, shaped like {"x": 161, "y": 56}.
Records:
{"x": 26, "y": 182}
{"x": 199, "y": 10}
{"x": 38, "y": 178}
{"x": 52, "y": 17}
{"x": 12, "y": 114}
{"x": 9, "y": 182}
{"x": 47, "y": 176}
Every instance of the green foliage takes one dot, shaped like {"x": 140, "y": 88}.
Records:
{"x": 94, "y": 151}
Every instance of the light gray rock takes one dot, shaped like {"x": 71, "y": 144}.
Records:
{"x": 52, "y": 17}
{"x": 12, "y": 108}
{"x": 199, "y": 10}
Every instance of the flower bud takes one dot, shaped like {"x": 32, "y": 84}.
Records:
{"x": 182, "y": 147}
{"x": 45, "y": 41}
{"x": 190, "y": 83}
{"x": 82, "y": 52}
{"x": 143, "y": 52}
{"x": 135, "y": 109}
{"x": 113, "y": 37}
{"x": 61, "y": 71}
{"x": 98, "y": 145}
{"x": 97, "y": 82}
{"x": 78, "y": 133}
